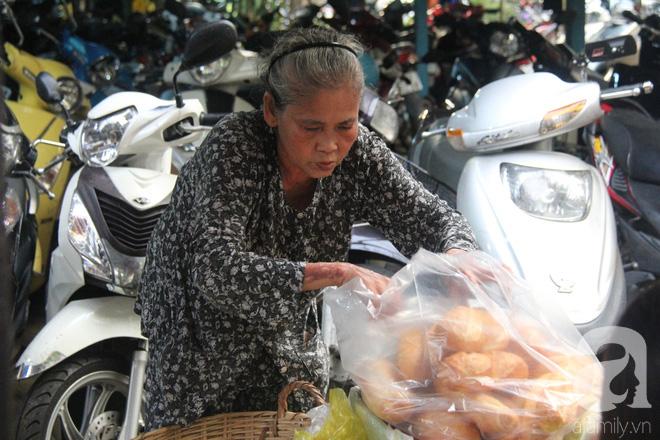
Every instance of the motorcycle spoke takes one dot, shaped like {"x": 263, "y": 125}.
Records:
{"x": 69, "y": 426}
{"x": 102, "y": 400}
{"x": 91, "y": 397}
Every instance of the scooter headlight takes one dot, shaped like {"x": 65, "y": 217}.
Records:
{"x": 86, "y": 240}
{"x": 101, "y": 137}
{"x": 504, "y": 44}
{"x": 549, "y": 194}
{"x": 11, "y": 209}
{"x": 385, "y": 121}
{"x": 209, "y": 73}
{"x": 103, "y": 71}
{"x": 380, "y": 116}
{"x": 72, "y": 95}
{"x": 11, "y": 146}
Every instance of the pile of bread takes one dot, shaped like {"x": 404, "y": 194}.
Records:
{"x": 466, "y": 377}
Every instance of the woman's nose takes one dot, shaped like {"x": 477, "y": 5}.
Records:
{"x": 327, "y": 145}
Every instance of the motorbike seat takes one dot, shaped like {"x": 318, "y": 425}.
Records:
{"x": 647, "y": 196}
{"x": 634, "y": 141}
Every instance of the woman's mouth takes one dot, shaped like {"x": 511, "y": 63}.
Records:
{"x": 326, "y": 166}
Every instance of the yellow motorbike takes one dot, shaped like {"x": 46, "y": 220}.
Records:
{"x": 40, "y": 120}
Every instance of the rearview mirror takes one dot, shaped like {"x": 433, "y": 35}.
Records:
{"x": 611, "y": 49}
{"x": 209, "y": 43}
{"x": 48, "y": 89}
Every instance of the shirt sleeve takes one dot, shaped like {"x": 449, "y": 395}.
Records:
{"x": 239, "y": 282}
{"x": 397, "y": 204}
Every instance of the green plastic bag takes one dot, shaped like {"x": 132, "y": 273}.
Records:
{"x": 374, "y": 427}
{"x": 341, "y": 423}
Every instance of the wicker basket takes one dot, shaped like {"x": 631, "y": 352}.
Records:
{"x": 254, "y": 425}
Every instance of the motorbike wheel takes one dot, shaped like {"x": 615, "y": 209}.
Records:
{"x": 80, "y": 398}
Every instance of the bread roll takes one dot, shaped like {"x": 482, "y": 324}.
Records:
{"x": 580, "y": 366}
{"x": 383, "y": 396}
{"x": 460, "y": 372}
{"x": 549, "y": 405}
{"x": 471, "y": 330}
{"x": 524, "y": 432}
{"x": 412, "y": 358}
{"x": 492, "y": 416}
{"x": 538, "y": 338}
{"x": 442, "y": 425}
{"x": 494, "y": 364}
{"x": 505, "y": 365}
{"x": 469, "y": 364}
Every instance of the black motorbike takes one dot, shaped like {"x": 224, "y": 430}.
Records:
{"x": 19, "y": 206}
{"x": 648, "y": 68}
{"x": 625, "y": 150}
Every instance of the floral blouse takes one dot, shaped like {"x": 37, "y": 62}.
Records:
{"x": 220, "y": 296}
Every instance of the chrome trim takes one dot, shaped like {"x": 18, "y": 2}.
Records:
{"x": 26, "y": 370}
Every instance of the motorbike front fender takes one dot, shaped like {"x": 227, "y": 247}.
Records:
{"x": 366, "y": 238}
{"x": 80, "y": 324}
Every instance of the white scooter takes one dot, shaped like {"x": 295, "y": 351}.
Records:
{"x": 545, "y": 214}
{"x": 110, "y": 207}
{"x": 228, "y": 84}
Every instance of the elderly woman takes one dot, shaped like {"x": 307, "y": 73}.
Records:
{"x": 259, "y": 221}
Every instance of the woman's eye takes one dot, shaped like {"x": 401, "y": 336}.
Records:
{"x": 345, "y": 127}
{"x": 312, "y": 129}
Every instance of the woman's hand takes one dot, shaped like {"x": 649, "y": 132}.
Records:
{"x": 476, "y": 273}
{"x": 375, "y": 282}
{"x": 320, "y": 275}
{"x": 455, "y": 251}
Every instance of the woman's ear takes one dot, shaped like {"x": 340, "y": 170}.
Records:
{"x": 269, "y": 110}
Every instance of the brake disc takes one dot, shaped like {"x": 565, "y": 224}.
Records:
{"x": 106, "y": 426}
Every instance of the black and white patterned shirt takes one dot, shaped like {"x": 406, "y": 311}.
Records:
{"x": 220, "y": 297}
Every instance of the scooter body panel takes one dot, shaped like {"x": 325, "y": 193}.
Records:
{"x": 436, "y": 155}
{"x": 242, "y": 69}
{"x": 145, "y": 134}
{"x": 366, "y": 238}
{"x": 79, "y": 325}
{"x": 578, "y": 263}
{"x": 66, "y": 269}
{"x": 23, "y": 67}
{"x": 141, "y": 189}
{"x": 523, "y": 103}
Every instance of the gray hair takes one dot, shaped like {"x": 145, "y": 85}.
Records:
{"x": 300, "y": 74}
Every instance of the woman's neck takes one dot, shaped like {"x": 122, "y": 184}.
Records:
{"x": 298, "y": 187}
{"x": 292, "y": 176}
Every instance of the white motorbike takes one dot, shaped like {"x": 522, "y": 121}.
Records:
{"x": 91, "y": 344}
{"x": 228, "y": 84}
{"x": 546, "y": 214}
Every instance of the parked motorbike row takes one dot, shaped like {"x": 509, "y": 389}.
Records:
{"x": 547, "y": 214}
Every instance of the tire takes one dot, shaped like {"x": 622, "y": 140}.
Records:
{"x": 66, "y": 387}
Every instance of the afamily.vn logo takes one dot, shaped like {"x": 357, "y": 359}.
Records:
{"x": 634, "y": 392}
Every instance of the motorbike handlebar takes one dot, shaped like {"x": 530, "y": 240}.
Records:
{"x": 47, "y": 142}
{"x": 632, "y": 16}
{"x": 627, "y": 91}
{"x": 211, "y": 118}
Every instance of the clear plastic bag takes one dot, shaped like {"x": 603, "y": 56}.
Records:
{"x": 458, "y": 348}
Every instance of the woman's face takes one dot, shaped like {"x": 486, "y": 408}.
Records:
{"x": 315, "y": 134}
